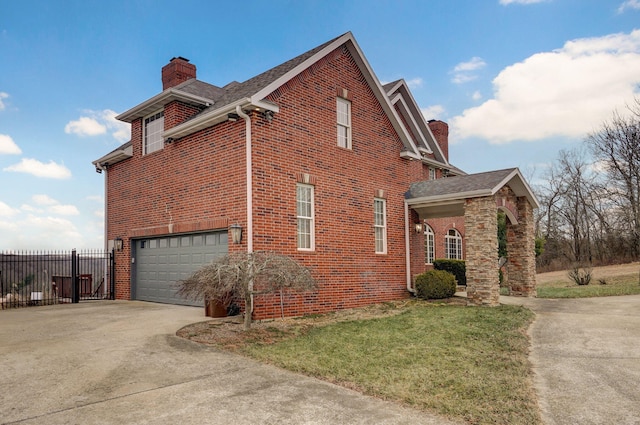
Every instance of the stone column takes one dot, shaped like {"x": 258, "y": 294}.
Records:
{"x": 481, "y": 235}
{"x": 521, "y": 266}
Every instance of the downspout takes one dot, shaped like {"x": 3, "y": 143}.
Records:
{"x": 407, "y": 247}
{"x": 249, "y": 165}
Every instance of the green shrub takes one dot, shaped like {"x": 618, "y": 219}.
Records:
{"x": 455, "y": 267}
{"x": 435, "y": 285}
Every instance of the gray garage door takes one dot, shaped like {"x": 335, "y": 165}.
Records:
{"x": 161, "y": 262}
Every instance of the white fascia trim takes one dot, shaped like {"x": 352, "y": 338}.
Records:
{"x": 450, "y": 197}
{"x": 382, "y": 96}
{"x": 424, "y": 121}
{"x": 414, "y": 124}
{"x": 203, "y": 121}
{"x": 214, "y": 117}
{"x": 402, "y": 87}
{"x": 113, "y": 157}
{"x": 410, "y": 155}
{"x": 158, "y": 101}
{"x": 395, "y": 87}
{"x": 436, "y": 163}
{"x": 525, "y": 186}
{"x": 267, "y": 90}
{"x": 348, "y": 40}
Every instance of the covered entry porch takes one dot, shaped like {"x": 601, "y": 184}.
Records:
{"x": 478, "y": 198}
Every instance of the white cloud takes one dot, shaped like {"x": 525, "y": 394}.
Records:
{"x": 44, "y": 200}
{"x": 414, "y": 83}
{"x": 432, "y": 112}
{"x": 85, "y": 126}
{"x": 96, "y": 123}
{"x": 463, "y": 72}
{"x": 99, "y": 213}
{"x": 3, "y": 95}
{"x": 566, "y": 92}
{"x": 7, "y": 211}
{"x": 629, "y": 4}
{"x": 476, "y": 95}
{"x": 8, "y": 146}
{"x": 46, "y": 233}
{"x": 40, "y": 169}
{"x": 54, "y": 206}
{"x": 64, "y": 210}
{"x": 95, "y": 198}
{"x": 508, "y": 2}
{"x": 472, "y": 65}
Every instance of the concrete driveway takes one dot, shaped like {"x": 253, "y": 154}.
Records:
{"x": 119, "y": 362}
{"x": 586, "y": 357}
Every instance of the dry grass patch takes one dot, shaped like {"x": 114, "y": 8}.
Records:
{"x": 621, "y": 279}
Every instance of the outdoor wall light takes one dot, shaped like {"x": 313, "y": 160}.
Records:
{"x": 233, "y": 117}
{"x": 117, "y": 244}
{"x": 418, "y": 227}
{"x": 236, "y": 233}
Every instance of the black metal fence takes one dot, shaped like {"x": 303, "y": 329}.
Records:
{"x": 44, "y": 278}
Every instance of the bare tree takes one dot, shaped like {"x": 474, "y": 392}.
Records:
{"x": 243, "y": 275}
{"x": 616, "y": 145}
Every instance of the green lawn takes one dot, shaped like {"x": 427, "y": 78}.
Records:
{"x": 466, "y": 363}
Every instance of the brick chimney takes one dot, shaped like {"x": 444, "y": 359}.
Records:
{"x": 440, "y": 130}
{"x": 177, "y": 71}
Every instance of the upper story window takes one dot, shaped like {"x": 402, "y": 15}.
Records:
{"x": 153, "y": 129}
{"x": 305, "y": 216}
{"x": 380, "y": 225}
{"x": 432, "y": 173}
{"x": 344, "y": 123}
{"x": 429, "y": 245}
{"x": 453, "y": 242}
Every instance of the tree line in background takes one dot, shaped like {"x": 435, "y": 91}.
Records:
{"x": 590, "y": 200}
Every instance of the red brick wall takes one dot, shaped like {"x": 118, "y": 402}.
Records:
{"x": 200, "y": 179}
{"x": 197, "y": 182}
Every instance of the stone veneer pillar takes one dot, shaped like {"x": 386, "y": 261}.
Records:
{"x": 521, "y": 265}
{"x": 481, "y": 235}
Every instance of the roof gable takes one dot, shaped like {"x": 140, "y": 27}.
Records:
{"x": 251, "y": 94}
{"x": 400, "y": 95}
{"x": 446, "y": 196}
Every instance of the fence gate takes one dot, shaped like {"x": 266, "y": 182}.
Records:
{"x": 45, "y": 278}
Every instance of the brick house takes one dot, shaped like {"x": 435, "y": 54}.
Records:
{"x": 314, "y": 159}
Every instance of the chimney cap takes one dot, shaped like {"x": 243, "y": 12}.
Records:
{"x": 180, "y": 58}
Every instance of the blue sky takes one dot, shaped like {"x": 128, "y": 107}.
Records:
{"x": 517, "y": 80}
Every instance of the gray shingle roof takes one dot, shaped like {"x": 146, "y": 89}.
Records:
{"x": 235, "y": 91}
{"x": 487, "y": 181}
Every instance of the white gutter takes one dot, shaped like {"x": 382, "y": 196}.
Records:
{"x": 247, "y": 121}
{"x": 407, "y": 247}
{"x": 249, "y": 166}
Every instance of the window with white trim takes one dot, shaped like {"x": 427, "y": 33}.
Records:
{"x": 304, "y": 213}
{"x": 344, "y": 123}
{"x": 453, "y": 241}
{"x": 153, "y": 129}
{"x": 432, "y": 173}
{"x": 380, "y": 225}
{"x": 429, "y": 245}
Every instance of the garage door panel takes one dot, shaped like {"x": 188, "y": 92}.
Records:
{"x": 161, "y": 262}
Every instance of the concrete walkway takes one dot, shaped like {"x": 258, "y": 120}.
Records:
{"x": 586, "y": 357}
{"x": 119, "y": 362}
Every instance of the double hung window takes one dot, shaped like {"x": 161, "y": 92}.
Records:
{"x": 344, "y": 123}
{"x": 153, "y": 129}
{"x": 304, "y": 212}
{"x": 380, "y": 225}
